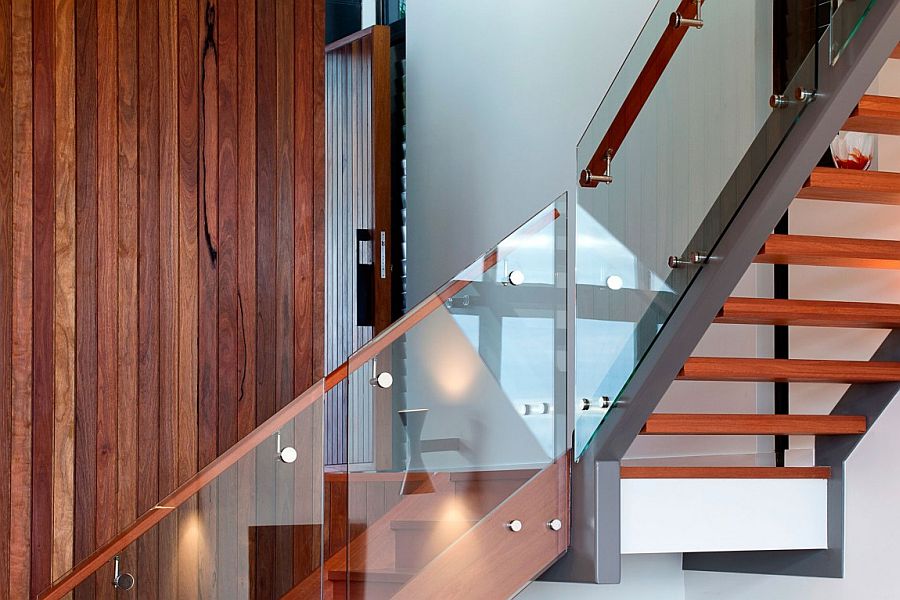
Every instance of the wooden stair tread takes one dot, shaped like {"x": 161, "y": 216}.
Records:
{"x": 413, "y": 525}
{"x": 809, "y": 313}
{"x": 706, "y": 368}
{"x": 725, "y": 472}
{"x": 848, "y": 185}
{"x": 737, "y": 424}
{"x": 373, "y": 576}
{"x": 824, "y": 251}
{"x": 875, "y": 114}
{"x": 895, "y": 53}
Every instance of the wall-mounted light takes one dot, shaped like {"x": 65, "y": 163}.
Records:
{"x": 614, "y": 282}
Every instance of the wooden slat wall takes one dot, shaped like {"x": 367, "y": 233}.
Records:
{"x": 161, "y": 203}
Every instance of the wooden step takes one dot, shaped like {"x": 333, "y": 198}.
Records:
{"x": 703, "y": 368}
{"x": 417, "y": 543}
{"x": 875, "y": 114}
{"x": 822, "y": 251}
{"x": 370, "y": 584}
{"x": 725, "y": 472}
{"x": 896, "y": 52}
{"x": 809, "y": 313}
{"x": 729, "y": 424}
{"x": 848, "y": 185}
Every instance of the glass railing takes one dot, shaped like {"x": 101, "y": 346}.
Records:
{"x": 460, "y": 408}
{"x": 459, "y": 413}
{"x": 846, "y": 17}
{"x": 248, "y": 526}
{"x": 689, "y": 123}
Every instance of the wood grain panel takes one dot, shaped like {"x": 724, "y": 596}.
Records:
{"x": 6, "y": 288}
{"x": 189, "y": 195}
{"x": 131, "y": 143}
{"x": 730, "y": 424}
{"x": 127, "y": 270}
{"x": 208, "y": 244}
{"x": 22, "y": 303}
{"x": 726, "y": 472}
{"x": 227, "y": 328}
{"x": 86, "y": 285}
{"x": 875, "y": 114}
{"x": 790, "y": 370}
{"x": 188, "y": 265}
{"x": 107, "y": 282}
{"x": 64, "y": 290}
{"x": 168, "y": 287}
{"x": 246, "y": 266}
{"x": 810, "y": 313}
{"x": 230, "y": 533}
{"x": 847, "y": 185}
{"x": 148, "y": 284}
{"x": 830, "y": 252}
{"x": 44, "y": 207}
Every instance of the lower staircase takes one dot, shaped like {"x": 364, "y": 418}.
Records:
{"x": 874, "y": 114}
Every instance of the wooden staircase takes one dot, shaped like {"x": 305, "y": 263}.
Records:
{"x": 435, "y": 532}
{"x": 873, "y": 114}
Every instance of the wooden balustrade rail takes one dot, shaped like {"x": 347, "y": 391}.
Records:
{"x": 640, "y": 92}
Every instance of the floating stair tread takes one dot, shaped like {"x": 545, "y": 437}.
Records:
{"x": 731, "y": 424}
{"x": 875, "y": 114}
{"x": 821, "y": 251}
{"x": 789, "y": 370}
{"x": 373, "y": 576}
{"x": 725, "y": 472}
{"x": 809, "y": 313}
{"x": 402, "y": 525}
{"x": 896, "y": 52}
{"x": 847, "y": 185}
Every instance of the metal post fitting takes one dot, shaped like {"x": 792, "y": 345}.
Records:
{"x": 676, "y": 20}
{"x": 778, "y": 101}
{"x": 802, "y": 94}
{"x": 588, "y": 179}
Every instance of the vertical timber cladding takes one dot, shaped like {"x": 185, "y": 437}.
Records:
{"x": 161, "y": 204}
{"x": 358, "y": 215}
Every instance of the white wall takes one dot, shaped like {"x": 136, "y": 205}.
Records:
{"x": 498, "y": 94}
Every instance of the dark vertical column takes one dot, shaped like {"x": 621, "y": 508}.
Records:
{"x": 782, "y": 349}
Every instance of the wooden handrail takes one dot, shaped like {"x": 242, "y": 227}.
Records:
{"x": 640, "y": 92}
{"x": 229, "y": 458}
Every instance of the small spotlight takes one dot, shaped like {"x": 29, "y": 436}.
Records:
{"x": 614, "y": 282}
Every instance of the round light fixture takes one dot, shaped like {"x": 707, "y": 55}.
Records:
{"x": 614, "y": 282}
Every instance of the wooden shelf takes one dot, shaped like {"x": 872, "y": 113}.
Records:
{"x": 788, "y": 370}
{"x": 725, "y": 472}
{"x": 822, "y": 251}
{"x": 875, "y": 114}
{"x": 848, "y": 185}
{"x": 809, "y": 313}
{"x": 729, "y": 424}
